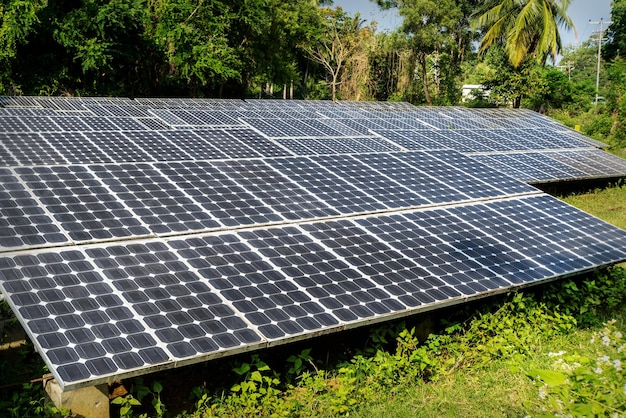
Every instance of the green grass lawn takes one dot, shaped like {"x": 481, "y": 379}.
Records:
{"x": 608, "y": 204}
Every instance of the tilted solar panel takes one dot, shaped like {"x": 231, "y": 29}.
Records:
{"x": 138, "y": 235}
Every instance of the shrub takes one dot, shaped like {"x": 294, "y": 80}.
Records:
{"x": 590, "y": 298}
{"x": 578, "y": 385}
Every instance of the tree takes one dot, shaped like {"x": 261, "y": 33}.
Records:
{"x": 194, "y": 37}
{"x": 438, "y": 34}
{"x": 102, "y": 40}
{"x": 582, "y": 64}
{"x": 267, "y": 35}
{"x": 509, "y": 84}
{"x": 18, "y": 19}
{"x": 616, "y": 45}
{"x": 528, "y": 29}
{"x": 338, "y": 41}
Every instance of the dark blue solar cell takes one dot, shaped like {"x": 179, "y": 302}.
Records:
{"x": 73, "y": 372}
{"x": 101, "y": 366}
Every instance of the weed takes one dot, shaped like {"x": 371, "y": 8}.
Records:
{"x": 591, "y": 298}
{"x": 297, "y": 364}
{"x": 137, "y": 393}
{"x": 257, "y": 391}
{"x": 32, "y": 401}
{"x": 126, "y": 403}
{"x": 578, "y": 385}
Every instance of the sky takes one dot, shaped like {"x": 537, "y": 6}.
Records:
{"x": 581, "y": 12}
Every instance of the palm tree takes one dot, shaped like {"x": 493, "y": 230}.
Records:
{"x": 526, "y": 28}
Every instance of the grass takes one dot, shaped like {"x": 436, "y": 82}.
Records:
{"x": 499, "y": 388}
{"x": 608, "y": 204}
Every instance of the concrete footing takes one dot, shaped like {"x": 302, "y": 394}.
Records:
{"x": 89, "y": 402}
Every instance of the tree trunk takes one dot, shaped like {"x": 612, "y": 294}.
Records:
{"x": 422, "y": 60}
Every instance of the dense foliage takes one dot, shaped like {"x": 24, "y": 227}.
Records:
{"x": 253, "y": 48}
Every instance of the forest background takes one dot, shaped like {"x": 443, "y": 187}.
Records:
{"x": 308, "y": 49}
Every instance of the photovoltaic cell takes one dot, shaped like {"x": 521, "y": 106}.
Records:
{"x": 333, "y": 188}
{"x": 608, "y": 164}
{"x": 383, "y": 276}
{"x": 75, "y": 147}
{"x": 80, "y": 203}
{"x": 226, "y": 145}
{"x": 500, "y": 166}
{"x": 257, "y": 142}
{"x": 456, "y": 184}
{"x": 302, "y": 147}
{"x": 23, "y": 222}
{"x": 572, "y": 158}
{"x": 276, "y": 191}
{"x": 363, "y": 176}
{"x": 99, "y": 123}
{"x": 157, "y": 146}
{"x": 31, "y": 149}
{"x": 70, "y": 123}
{"x": 410, "y": 140}
{"x": 219, "y": 194}
{"x": 155, "y": 199}
{"x": 464, "y": 141}
{"x": 523, "y": 172}
{"x": 117, "y": 147}
{"x": 326, "y": 129}
{"x": 483, "y": 137}
{"x": 276, "y": 305}
{"x": 560, "y": 170}
{"x": 492, "y": 182}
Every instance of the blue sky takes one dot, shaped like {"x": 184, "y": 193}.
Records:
{"x": 581, "y": 12}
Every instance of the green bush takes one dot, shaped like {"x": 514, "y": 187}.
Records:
{"x": 582, "y": 386}
{"x": 590, "y": 298}
{"x": 599, "y": 126}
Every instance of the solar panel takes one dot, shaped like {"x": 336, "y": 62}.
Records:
{"x": 75, "y": 147}
{"x": 409, "y": 139}
{"x": 23, "y": 222}
{"x": 257, "y": 142}
{"x": 155, "y": 199}
{"x": 80, "y": 203}
{"x": 145, "y": 234}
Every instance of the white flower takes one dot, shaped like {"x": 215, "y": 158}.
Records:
{"x": 559, "y": 354}
{"x": 606, "y": 341}
{"x": 617, "y": 335}
{"x": 598, "y": 370}
{"x": 621, "y": 348}
{"x": 617, "y": 364}
{"x": 604, "y": 359}
{"x": 542, "y": 392}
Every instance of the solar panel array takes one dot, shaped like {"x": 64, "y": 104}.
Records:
{"x": 151, "y": 233}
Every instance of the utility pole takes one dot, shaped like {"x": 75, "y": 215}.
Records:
{"x": 600, "y": 38}
{"x": 569, "y": 66}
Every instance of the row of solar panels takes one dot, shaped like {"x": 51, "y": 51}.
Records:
{"x": 100, "y": 313}
{"x": 49, "y": 206}
{"x": 46, "y": 120}
{"x": 189, "y": 112}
